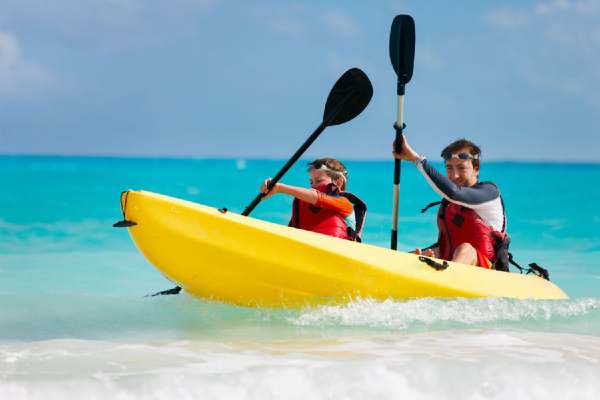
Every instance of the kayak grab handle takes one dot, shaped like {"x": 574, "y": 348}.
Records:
{"x": 434, "y": 264}
{"x": 125, "y": 223}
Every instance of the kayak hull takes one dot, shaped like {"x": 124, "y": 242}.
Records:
{"x": 240, "y": 260}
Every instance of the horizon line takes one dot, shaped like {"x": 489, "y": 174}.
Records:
{"x": 275, "y": 158}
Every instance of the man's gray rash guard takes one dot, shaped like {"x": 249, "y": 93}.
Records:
{"x": 483, "y": 197}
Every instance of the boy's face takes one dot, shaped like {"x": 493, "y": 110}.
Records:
{"x": 318, "y": 177}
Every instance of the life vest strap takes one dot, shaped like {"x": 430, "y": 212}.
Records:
{"x": 360, "y": 215}
{"x": 428, "y": 206}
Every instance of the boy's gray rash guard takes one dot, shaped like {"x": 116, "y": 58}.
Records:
{"x": 483, "y": 197}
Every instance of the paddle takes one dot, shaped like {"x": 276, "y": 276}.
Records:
{"x": 349, "y": 97}
{"x": 402, "y": 55}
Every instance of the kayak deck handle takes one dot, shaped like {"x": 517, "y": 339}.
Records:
{"x": 434, "y": 264}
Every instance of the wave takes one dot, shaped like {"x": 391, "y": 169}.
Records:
{"x": 92, "y": 315}
{"x": 451, "y": 365}
{"x": 443, "y": 313}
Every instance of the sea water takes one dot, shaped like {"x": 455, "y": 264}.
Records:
{"x": 74, "y": 322}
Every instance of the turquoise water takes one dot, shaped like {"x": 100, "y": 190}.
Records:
{"x": 73, "y": 318}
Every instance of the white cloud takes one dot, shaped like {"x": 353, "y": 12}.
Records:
{"x": 19, "y": 77}
{"x": 426, "y": 57}
{"x": 104, "y": 23}
{"x": 341, "y": 24}
{"x": 335, "y": 63}
{"x": 506, "y": 18}
{"x": 583, "y": 7}
{"x": 296, "y": 21}
{"x": 558, "y": 48}
{"x": 553, "y": 6}
{"x": 589, "y": 7}
{"x": 287, "y": 22}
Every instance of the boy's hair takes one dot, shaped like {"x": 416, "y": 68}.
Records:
{"x": 463, "y": 143}
{"x": 332, "y": 167}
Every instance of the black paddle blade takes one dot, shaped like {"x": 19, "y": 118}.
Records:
{"x": 349, "y": 97}
{"x": 402, "y": 47}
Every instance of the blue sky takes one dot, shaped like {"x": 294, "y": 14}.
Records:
{"x": 211, "y": 78}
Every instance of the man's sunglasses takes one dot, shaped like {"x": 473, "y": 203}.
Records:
{"x": 461, "y": 156}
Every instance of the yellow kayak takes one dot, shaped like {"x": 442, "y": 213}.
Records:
{"x": 220, "y": 255}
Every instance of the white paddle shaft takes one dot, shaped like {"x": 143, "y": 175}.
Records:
{"x": 400, "y": 113}
{"x": 399, "y": 123}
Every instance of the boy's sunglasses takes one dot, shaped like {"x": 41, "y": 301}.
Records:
{"x": 323, "y": 167}
{"x": 461, "y": 156}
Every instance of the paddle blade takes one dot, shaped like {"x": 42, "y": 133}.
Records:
{"x": 402, "y": 47}
{"x": 349, "y": 97}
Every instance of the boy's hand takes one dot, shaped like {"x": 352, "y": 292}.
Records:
{"x": 406, "y": 153}
{"x": 264, "y": 188}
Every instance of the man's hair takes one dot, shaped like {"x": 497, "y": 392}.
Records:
{"x": 463, "y": 143}
{"x": 333, "y": 168}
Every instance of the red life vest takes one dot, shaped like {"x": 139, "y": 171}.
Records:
{"x": 458, "y": 224}
{"x": 312, "y": 218}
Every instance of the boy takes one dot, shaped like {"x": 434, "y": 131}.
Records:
{"x": 326, "y": 207}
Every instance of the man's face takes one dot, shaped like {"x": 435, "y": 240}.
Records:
{"x": 461, "y": 172}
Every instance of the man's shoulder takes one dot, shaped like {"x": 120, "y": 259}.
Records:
{"x": 487, "y": 185}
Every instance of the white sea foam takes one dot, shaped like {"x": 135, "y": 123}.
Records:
{"x": 397, "y": 314}
{"x": 472, "y": 364}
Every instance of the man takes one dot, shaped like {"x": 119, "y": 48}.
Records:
{"x": 471, "y": 219}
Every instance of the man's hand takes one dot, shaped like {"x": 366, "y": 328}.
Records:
{"x": 428, "y": 252}
{"x": 406, "y": 153}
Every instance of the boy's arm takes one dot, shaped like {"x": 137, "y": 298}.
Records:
{"x": 308, "y": 195}
{"x": 339, "y": 204}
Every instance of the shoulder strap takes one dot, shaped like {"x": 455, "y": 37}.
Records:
{"x": 503, "y": 215}
{"x": 294, "y": 221}
{"x": 360, "y": 210}
{"x": 428, "y": 206}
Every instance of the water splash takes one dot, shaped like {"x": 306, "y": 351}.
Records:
{"x": 441, "y": 313}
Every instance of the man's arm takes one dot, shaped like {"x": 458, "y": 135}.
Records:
{"x": 483, "y": 197}
{"x": 474, "y": 197}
